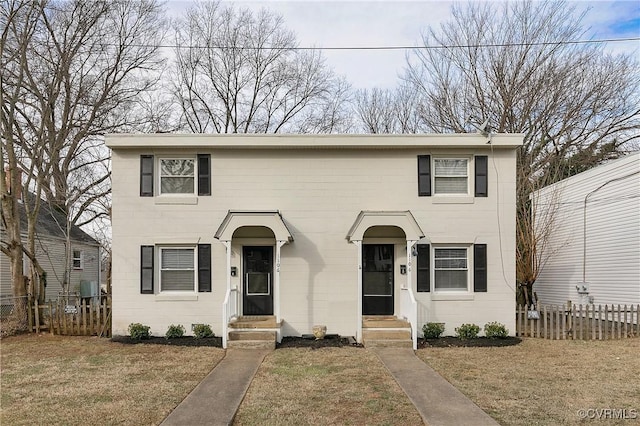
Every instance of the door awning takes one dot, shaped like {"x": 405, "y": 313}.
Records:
{"x": 402, "y": 219}
{"x": 268, "y": 218}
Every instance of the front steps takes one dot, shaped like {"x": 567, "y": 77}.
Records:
{"x": 386, "y": 331}
{"x": 253, "y": 332}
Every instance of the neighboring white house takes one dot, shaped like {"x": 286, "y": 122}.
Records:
{"x": 50, "y": 252}
{"x": 313, "y": 230}
{"x": 593, "y": 251}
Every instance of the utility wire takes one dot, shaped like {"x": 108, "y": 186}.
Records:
{"x": 452, "y": 46}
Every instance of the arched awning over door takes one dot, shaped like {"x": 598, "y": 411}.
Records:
{"x": 269, "y": 219}
{"x": 401, "y": 219}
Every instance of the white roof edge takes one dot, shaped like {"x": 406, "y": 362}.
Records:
{"x": 338, "y": 141}
{"x": 627, "y": 158}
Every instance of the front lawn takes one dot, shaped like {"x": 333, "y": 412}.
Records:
{"x": 57, "y": 380}
{"x": 546, "y": 382}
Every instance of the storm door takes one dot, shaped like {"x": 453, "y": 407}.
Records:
{"x": 257, "y": 293}
{"x": 377, "y": 279}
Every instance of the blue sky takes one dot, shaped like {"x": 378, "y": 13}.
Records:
{"x": 326, "y": 23}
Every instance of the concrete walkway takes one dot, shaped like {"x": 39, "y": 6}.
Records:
{"x": 217, "y": 398}
{"x": 437, "y": 401}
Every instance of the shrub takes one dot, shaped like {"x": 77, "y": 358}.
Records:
{"x": 467, "y": 331}
{"x": 495, "y": 330}
{"x": 202, "y": 330}
{"x": 433, "y": 330}
{"x": 138, "y": 331}
{"x": 174, "y": 331}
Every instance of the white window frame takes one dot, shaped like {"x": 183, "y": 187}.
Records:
{"x": 195, "y": 176}
{"x": 435, "y": 159}
{"x": 79, "y": 259}
{"x": 194, "y": 249}
{"x": 469, "y": 268}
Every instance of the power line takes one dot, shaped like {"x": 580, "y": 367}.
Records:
{"x": 453, "y": 46}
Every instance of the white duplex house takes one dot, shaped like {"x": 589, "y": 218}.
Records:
{"x": 275, "y": 234}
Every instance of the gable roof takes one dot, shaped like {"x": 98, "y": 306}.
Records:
{"x": 51, "y": 223}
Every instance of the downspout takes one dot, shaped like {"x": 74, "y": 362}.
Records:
{"x": 584, "y": 220}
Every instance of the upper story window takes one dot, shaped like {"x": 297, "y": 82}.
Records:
{"x": 77, "y": 259}
{"x": 177, "y": 175}
{"x": 451, "y": 176}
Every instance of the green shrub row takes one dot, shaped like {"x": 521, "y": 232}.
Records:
{"x": 141, "y": 332}
{"x": 492, "y": 330}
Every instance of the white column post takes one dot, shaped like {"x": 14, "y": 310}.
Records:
{"x": 410, "y": 244}
{"x": 225, "y": 303}
{"x": 276, "y": 284}
{"x": 358, "y": 245}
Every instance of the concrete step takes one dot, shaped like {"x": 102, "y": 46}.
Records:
{"x": 252, "y": 335}
{"x": 251, "y": 344}
{"x": 253, "y": 322}
{"x": 400, "y": 334}
{"x": 401, "y": 343}
{"x": 384, "y": 321}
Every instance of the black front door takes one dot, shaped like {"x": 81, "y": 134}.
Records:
{"x": 377, "y": 279}
{"x": 258, "y": 281}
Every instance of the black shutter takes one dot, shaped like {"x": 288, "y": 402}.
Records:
{"x": 204, "y": 174}
{"x": 146, "y": 269}
{"x": 481, "y": 176}
{"x": 204, "y": 267}
{"x": 424, "y": 175}
{"x": 424, "y": 274}
{"x": 146, "y": 175}
{"x": 480, "y": 267}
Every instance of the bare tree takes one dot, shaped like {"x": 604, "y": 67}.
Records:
{"x": 240, "y": 72}
{"x": 72, "y": 71}
{"x": 388, "y": 111}
{"x": 516, "y": 64}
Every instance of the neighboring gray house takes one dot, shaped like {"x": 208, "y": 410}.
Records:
{"x": 593, "y": 250}
{"x": 50, "y": 252}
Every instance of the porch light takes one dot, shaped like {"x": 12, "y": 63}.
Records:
{"x": 234, "y": 271}
{"x": 403, "y": 269}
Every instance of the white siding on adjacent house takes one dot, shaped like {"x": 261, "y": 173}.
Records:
{"x": 612, "y": 264}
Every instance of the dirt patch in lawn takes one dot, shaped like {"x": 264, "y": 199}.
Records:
{"x": 59, "y": 380}
{"x": 480, "y": 342}
{"x": 546, "y": 382}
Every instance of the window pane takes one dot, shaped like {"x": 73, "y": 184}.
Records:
{"x": 176, "y": 185}
{"x": 177, "y": 259}
{"x": 451, "y": 263}
{"x": 177, "y": 280}
{"x": 450, "y": 185}
{"x": 449, "y": 253}
{"x": 258, "y": 282}
{"x": 451, "y": 280}
{"x": 182, "y": 167}
{"x": 451, "y": 167}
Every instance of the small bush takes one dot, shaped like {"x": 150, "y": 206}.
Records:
{"x": 201, "y": 331}
{"x": 138, "y": 331}
{"x": 495, "y": 330}
{"x": 467, "y": 331}
{"x": 174, "y": 331}
{"x": 433, "y": 330}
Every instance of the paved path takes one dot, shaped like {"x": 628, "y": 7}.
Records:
{"x": 217, "y": 398}
{"x": 437, "y": 401}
